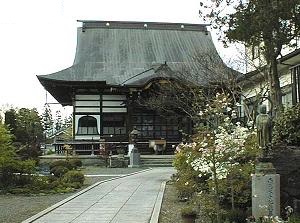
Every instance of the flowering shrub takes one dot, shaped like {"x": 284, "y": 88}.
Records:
{"x": 221, "y": 155}
{"x": 216, "y": 150}
{"x": 186, "y": 178}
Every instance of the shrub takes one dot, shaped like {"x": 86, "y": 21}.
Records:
{"x": 188, "y": 211}
{"x": 75, "y": 163}
{"x": 209, "y": 207}
{"x": 62, "y": 163}
{"x": 18, "y": 190}
{"x": 73, "y": 176}
{"x": 15, "y": 172}
{"x": 29, "y": 151}
{"x": 186, "y": 186}
{"x": 180, "y": 162}
{"x": 294, "y": 219}
{"x": 76, "y": 185}
{"x": 287, "y": 127}
{"x": 62, "y": 190}
{"x": 50, "y": 152}
{"x": 59, "y": 171}
{"x": 54, "y": 184}
{"x": 8, "y": 166}
{"x": 40, "y": 183}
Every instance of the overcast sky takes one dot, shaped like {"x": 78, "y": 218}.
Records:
{"x": 38, "y": 37}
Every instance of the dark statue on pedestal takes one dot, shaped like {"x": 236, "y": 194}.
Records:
{"x": 264, "y": 130}
{"x": 264, "y": 136}
{"x": 265, "y": 181}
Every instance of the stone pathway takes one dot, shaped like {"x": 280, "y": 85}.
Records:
{"x": 135, "y": 199}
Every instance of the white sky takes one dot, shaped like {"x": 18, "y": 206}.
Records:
{"x": 38, "y": 37}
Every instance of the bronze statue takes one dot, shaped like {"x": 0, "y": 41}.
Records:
{"x": 264, "y": 130}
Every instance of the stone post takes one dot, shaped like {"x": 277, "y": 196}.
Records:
{"x": 134, "y": 158}
{"x": 265, "y": 191}
{"x": 93, "y": 151}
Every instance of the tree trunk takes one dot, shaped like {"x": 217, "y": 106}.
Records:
{"x": 275, "y": 90}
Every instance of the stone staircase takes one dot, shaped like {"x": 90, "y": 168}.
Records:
{"x": 157, "y": 160}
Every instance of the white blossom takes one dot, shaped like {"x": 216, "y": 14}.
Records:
{"x": 219, "y": 149}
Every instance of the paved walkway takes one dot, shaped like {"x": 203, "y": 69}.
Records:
{"x": 133, "y": 199}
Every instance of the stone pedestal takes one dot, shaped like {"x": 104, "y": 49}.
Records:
{"x": 265, "y": 191}
{"x": 134, "y": 158}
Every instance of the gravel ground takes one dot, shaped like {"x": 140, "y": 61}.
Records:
{"x": 16, "y": 208}
{"x": 171, "y": 206}
{"x": 170, "y": 209}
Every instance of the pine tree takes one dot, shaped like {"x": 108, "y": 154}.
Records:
{"x": 10, "y": 120}
{"x": 58, "y": 121}
{"x": 47, "y": 120}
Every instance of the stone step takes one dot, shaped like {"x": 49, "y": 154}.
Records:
{"x": 157, "y": 156}
{"x": 157, "y": 161}
{"x": 157, "y": 165}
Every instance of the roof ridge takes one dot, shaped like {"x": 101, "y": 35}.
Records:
{"x": 142, "y": 25}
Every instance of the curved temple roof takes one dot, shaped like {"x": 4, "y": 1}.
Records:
{"x": 128, "y": 53}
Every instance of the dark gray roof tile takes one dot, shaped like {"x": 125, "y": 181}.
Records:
{"x": 125, "y": 49}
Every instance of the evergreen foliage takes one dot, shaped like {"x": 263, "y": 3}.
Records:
{"x": 58, "y": 121}
{"x": 13, "y": 172}
{"x": 47, "y": 120}
{"x": 287, "y": 127}
{"x": 10, "y": 119}
{"x": 74, "y": 176}
{"x": 25, "y": 124}
{"x": 269, "y": 25}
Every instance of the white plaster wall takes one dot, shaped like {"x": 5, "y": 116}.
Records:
{"x": 88, "y": 110}
{"x": 87, "y": 103}
{"x": 114, "y": 110}
{"x": 256, "y": 89}
{"x": 285, "y": 80}
{"x": 113, "y": 103}
{"x": 114, "y": 97}
{"x": 87, "y": 137}
{"x": 87, "y": 97}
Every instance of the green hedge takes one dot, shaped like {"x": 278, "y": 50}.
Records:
{"x": 73, "y": 176}
{"x": 62, "y": 163}
{"x": 287, "y": 127}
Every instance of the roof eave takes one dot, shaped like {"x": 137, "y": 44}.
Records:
{"x": 63, "y": 90}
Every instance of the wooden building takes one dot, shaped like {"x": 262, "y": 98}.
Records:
{"x": 114, "y": 62}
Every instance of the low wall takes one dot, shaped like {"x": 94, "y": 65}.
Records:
{"x": 87, "y": 160}
{"x": 287, "y": 163}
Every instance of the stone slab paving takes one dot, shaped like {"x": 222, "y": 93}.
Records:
{"x": 133, "y": 199}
